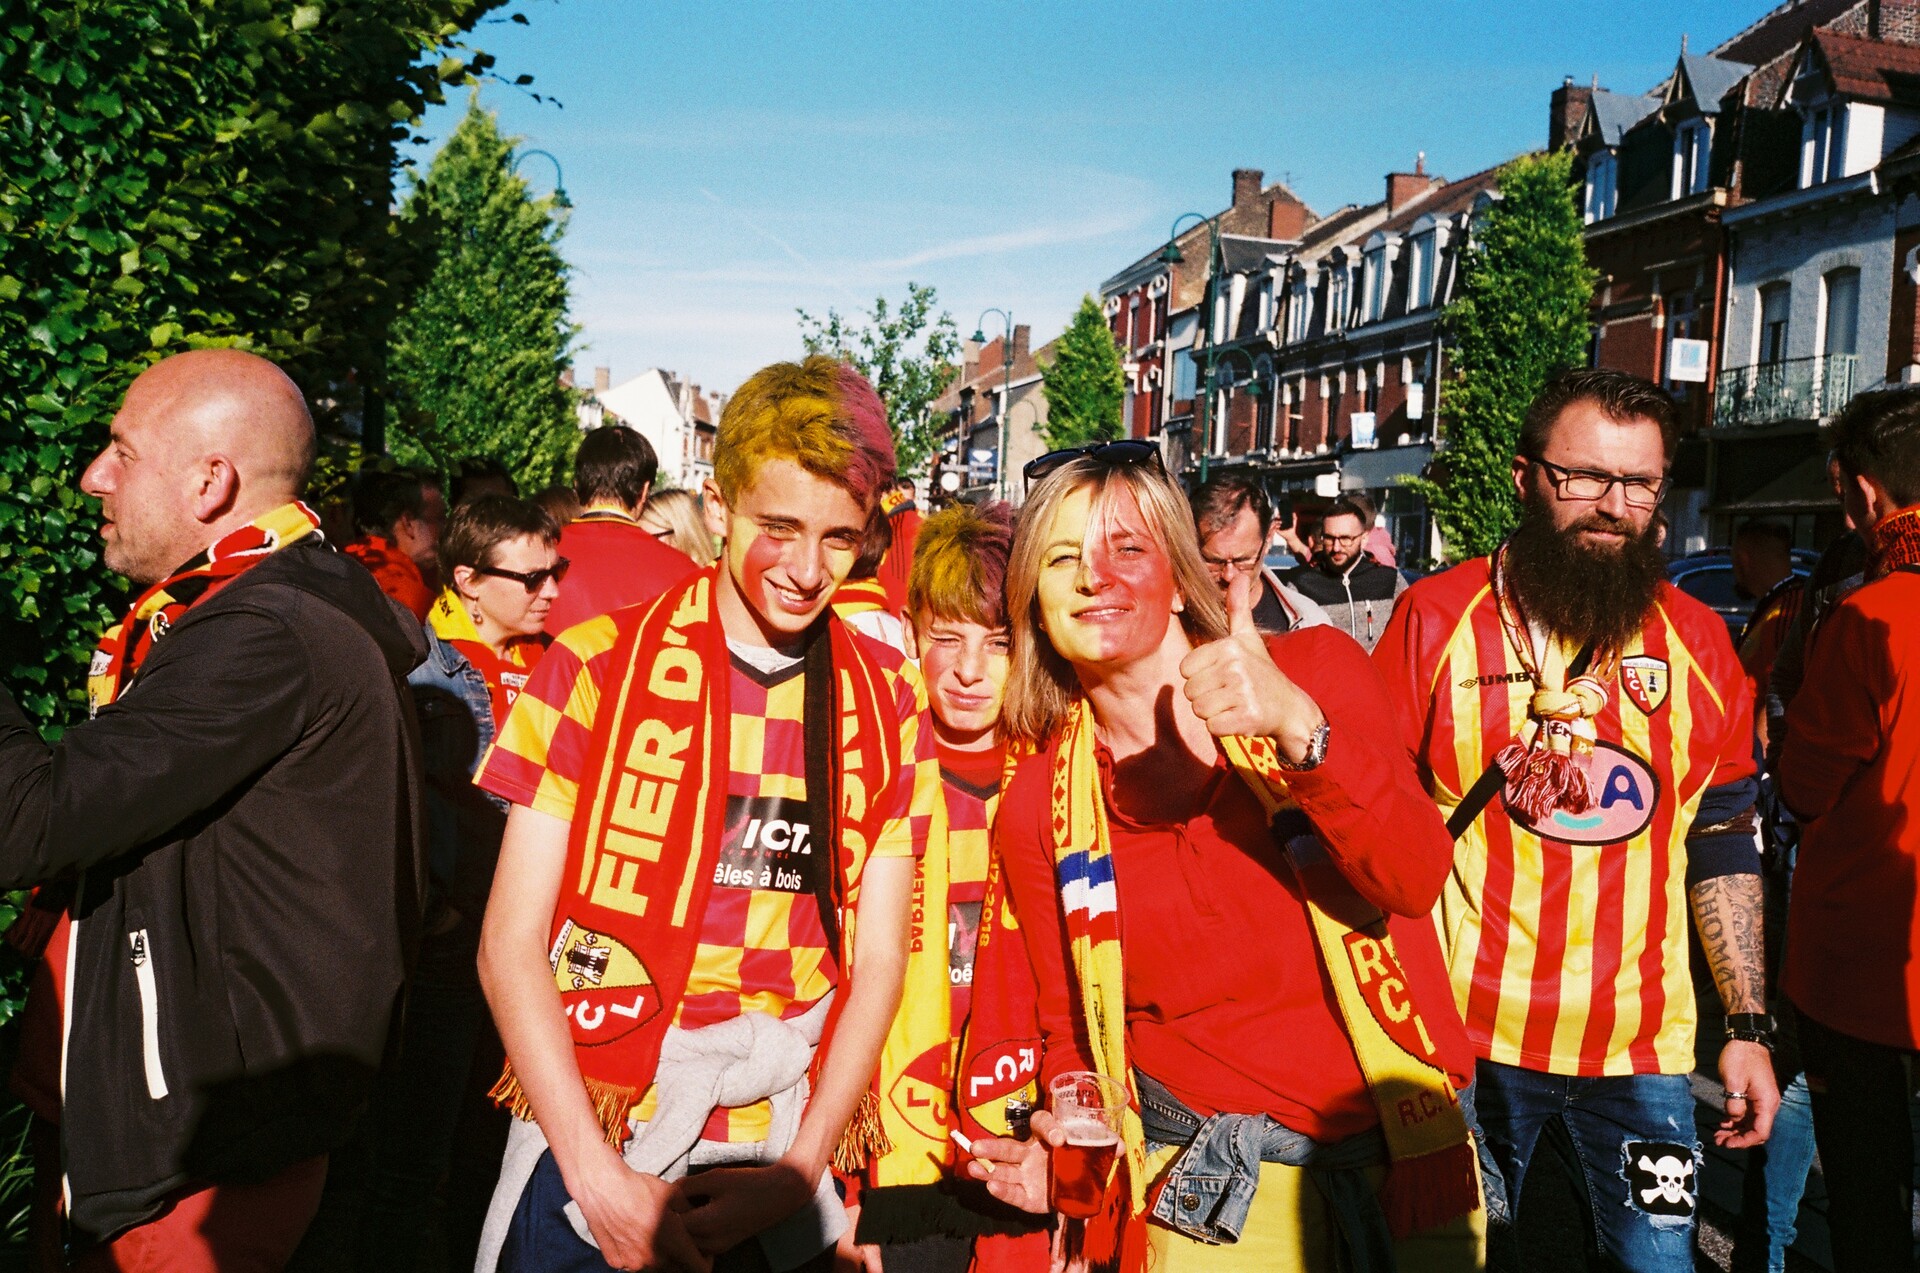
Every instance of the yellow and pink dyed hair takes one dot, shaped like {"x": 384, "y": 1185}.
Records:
{"x": 820, "y": 414}
{"x": 960, "y": 565}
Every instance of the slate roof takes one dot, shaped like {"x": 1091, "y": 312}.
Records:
{"x": 1614, "y": 113}
{"x": 1779, "y": 29}
{"x": 1711, "y": 78}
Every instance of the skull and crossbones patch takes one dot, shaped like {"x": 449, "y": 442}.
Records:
{"x": 1661, "y": 1179}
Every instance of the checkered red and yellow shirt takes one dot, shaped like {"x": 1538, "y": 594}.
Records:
{"x": 762, "y": 949}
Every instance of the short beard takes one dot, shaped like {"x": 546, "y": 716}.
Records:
{"x": 1590, "y": 597}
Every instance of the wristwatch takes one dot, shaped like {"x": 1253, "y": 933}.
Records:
{"x": 1751, "y": 1027}
{"x": 1316, "y": 751}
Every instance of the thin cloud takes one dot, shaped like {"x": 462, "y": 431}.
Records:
{"x": 1009, "y": 241}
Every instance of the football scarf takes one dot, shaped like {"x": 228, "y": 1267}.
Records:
{"x": 1896, "y": 542}
{"x": 646, "y": 837}
{"x": 506, "y": 675}
{"x": 1431, "y": 1177}
{"x": 859, "y": 596}
{"x": 125, "y": 645}
{"x": 1549, "y": 765}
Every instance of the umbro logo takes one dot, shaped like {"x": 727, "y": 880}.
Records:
{"x": 1502, "y": 678}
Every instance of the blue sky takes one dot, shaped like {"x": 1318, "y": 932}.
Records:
{"x": 729, "y": 162}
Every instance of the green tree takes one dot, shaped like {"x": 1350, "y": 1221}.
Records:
{"x": 1084, "y": 382}
{"x": 478, "y": 350}
{"x": 183, "y": 173}
{"x": 908, "y": 352}
{"x": 1520, "y": 315}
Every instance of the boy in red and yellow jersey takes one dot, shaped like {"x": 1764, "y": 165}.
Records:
{"x": 914, "y": 1214}
{"x": 699, "y": 922}
{"x": 1847, "y": 771}
{"x": 1589, "y": 732}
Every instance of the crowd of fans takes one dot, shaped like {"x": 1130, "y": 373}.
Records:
{"x": 776, "y": 877}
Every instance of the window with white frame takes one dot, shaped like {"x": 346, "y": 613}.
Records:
{"x": 1601, "y": 180}
{"x": 1377, "y": 276}
{"x": 1776, "y": 300}
{"x": 1300, "y": 310}
{"x": 1823, "y": 144}
{"x": 1842, "y": 335}
{"x": 1339, "y": 296}
{"x": 1421, "y": 268}
{"x": 1692, "y": 146}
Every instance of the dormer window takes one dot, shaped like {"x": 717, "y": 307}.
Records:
{"x": 1377, "y": 277}
{"x": 1692, "y": 146}
{"x": 1823, "y": 144}
{"x": 1300, "y": 310}
{"x": 1601, "y": 189}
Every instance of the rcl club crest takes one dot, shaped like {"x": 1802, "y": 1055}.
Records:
{"x": 920, "y": 1093}
{"x": 1646, "y": 681}
{"x": 605, "y": 989}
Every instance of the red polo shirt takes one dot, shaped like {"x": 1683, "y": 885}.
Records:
{"x": 1225, "y": 998}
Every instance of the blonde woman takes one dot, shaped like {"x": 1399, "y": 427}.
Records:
{"x": 674, "y": 518}
{"x": 1223, "y": 863}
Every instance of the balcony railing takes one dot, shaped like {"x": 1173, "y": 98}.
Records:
{"x": 1795, "y": 389}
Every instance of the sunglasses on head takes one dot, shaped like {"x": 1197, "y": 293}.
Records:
{"x": 531, "y": 580}
{"x": 1121, "y": 454}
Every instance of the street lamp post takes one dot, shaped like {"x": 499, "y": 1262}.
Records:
{"x": 1006, "y": 389}
{"x": 1173, "y": 256}
{"x": 559, "y": 179}
{"x": 1223, "y": 368}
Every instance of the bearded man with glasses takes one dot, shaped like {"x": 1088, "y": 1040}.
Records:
{"x": 1588, "y": 731}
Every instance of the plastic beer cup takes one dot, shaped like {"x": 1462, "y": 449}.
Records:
{"x": 1088, "y": 1107}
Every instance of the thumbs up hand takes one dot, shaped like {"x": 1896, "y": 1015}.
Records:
{"x": 1237, "y": 689}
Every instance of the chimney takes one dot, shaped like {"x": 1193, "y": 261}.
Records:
{"x": 1566, "y": 113}
{"x": 1022, "y": 333}
{"x": 602, "y": 379}
{"x": 1286, "y": 218}
{"x": 1895, "y": 21}
{"x": 1404, "y": 187}
{"x": 1246, "y": 187}
{"x": 566, "y": 377}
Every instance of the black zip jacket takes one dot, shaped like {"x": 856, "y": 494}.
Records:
{"x": 1358, "y": 601}
{"x": 245, "y": 824}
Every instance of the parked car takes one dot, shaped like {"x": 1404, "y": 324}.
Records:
{"x": 1708, "y": 578}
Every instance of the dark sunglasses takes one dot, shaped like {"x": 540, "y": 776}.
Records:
{"x": 1127, "y": 451}
{"x": 531, "y": 580}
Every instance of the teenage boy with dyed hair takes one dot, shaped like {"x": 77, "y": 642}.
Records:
{"x": 698, "y": 927}
{"x": 914, "y": 1217}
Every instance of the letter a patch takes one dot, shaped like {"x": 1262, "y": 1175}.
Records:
{"x": 1646, "y": 681}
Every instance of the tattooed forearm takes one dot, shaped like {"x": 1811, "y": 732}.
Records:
{"x": 1727, "y": 910}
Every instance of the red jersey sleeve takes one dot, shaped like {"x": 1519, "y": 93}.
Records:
{"x": 1405, "y": 657}
{"x": 1379, "y": 825}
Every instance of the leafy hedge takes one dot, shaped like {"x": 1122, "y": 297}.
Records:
{"x": 181, "y": 173}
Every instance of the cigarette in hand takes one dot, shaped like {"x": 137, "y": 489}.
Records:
{"x": 966, "y": 1147}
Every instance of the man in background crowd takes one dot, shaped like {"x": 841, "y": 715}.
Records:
{"x": 1234, "y": 519}
{"x": 482, "y": 475}
{"x": 1763, "y": 569}
{"x": 1587, "y": 730}
{"x": 1847, "y": 769}
{"x": 398, "y": 515}
{"x": 613, "y": 560}
{"x": 230, "y": 850}
{"x": 1357, "y": 592}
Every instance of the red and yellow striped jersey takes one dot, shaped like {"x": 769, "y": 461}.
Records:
{"x": 970, "y": 785}
{"x": 1568, "y": 943}
{"x": 762, "y": 946}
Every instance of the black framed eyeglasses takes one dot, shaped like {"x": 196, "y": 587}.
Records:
{"x": 1121, "y": 454}
{"x": 1585, "y": 484}
{"x": 531, "y": 580}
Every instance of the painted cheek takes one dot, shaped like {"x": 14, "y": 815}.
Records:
{"x": 753, "y": 555}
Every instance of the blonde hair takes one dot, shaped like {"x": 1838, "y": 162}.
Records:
{"x": 679, "y": 512}
{"x": 1041, "y": 685}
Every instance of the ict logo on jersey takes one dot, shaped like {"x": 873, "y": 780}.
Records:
{"x": 767, "y": 844}
{"x": 1646, "y": 681}
{"x": 1625, "y": 795}
{"x": 605, "y": 989}
{"x": 963, "y": 941}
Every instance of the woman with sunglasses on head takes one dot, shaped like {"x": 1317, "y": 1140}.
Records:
{"x": 1223, "y": 866}
{"x": 499, "y": 557}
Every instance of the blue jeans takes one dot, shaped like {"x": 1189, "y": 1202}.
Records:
{"x": 1776, "y": 1178}
{"x": 1636, "y": 1155}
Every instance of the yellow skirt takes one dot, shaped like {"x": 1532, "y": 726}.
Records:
{"x": 1291, "y": 1229}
